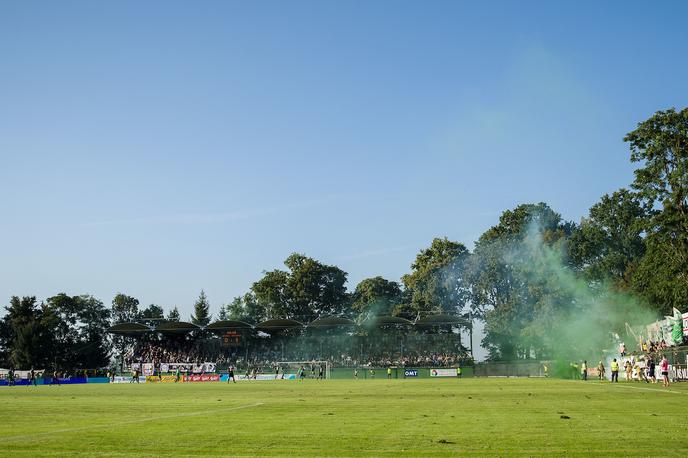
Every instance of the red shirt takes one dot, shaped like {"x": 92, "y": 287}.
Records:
{"x": 665, "y": 365}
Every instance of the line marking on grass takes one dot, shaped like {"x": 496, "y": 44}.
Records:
{"x": 129, "y": 422}
{"x": 660, "y": 390}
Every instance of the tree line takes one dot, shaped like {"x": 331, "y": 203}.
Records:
{"x": 634, "y": 240}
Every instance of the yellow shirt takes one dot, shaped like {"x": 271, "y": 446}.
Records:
{"x": 615, "y": 366}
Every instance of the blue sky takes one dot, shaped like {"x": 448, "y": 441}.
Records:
{"x": 157, "y": 149}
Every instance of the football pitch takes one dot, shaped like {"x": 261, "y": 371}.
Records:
{"x": 449, "y": 417}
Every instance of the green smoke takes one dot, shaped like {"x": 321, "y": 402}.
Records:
{"x": 560, "y": 315}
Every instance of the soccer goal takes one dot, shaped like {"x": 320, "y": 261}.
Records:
{"x": 311, "y": 369}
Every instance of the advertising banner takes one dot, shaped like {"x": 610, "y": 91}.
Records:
{"x": 410, "y": 372}
{"x": 685, "y": 323}
{"x": 202, "y": 378}
{"x": 124, "y": 379}
{"x": 192, "y": 368}
{"x": 443, "y": 372}
{"x": 161, "y": 379}
{"x": 259, "y": 377}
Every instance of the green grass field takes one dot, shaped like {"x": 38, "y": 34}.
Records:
{"x": 347, "y": 418}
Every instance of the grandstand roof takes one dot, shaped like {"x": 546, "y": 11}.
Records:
{"x": 442, "y": 319}
{"x": 386, "y": 320}
{"x": 176, "y": 327}
{"x": 274, "y": 325}
{"x": 129, "y": 329}
{"x": 227, "y": 325}
{"x": 331, "y": 322}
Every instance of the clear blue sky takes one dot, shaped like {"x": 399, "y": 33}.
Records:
{"x": 157, "y": 148}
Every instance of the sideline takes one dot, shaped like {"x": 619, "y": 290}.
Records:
{"x": 129, "y": 422}
{"x": 656, "y": 390}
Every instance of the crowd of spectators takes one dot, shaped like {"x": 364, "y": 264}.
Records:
{"x": 267, "y": 355}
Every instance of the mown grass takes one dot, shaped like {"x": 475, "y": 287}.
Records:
{"x": 450, "y": 417}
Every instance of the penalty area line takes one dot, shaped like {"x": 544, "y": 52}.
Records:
{"x": 128, "y": 422}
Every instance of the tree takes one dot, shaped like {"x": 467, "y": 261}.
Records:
{"x": 315, "y": 289}
{"x": 79, "y": 326}
{"x": 173, "y": 314}
{"x": 514, "y": 280}
{"x": 246, "y": 308}
{"x": 29, "y": 339}
{"x": 376, "y": 295}
{"x": 660, "y": 144}
{"x": 201, "y": 315}
{"x": 124, "y": 308}
{"x": 152, "y": 315}
{"x": 271, "y": 292}
{"x": 223, "y": 314}
{"x": 438, "y": 281}
{"x": 307, "y": 290}
{"x": 608, "y": 244}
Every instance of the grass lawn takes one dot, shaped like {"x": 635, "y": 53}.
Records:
{"x": 347, "y": 418}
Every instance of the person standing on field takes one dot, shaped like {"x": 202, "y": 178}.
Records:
{"x": 584, "y": 370}
{"x": 458, "y": 371}
{"x": 600, "y": 371}
{"x": 615, "y": 371}
{"x": 664, "y": 367}
{"x": 389, "y": 373}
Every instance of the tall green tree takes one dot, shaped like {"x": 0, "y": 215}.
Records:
{"x": 80, "y": 331}
{"x": 307, "y": 290}
{"x": 173, "y": 315}
{"x": 439, "y": 279}
{"x": 246, "y": 308}
{"x": 316, "y": 289}
{"x": 514, "y": 287}
{"x": 223, "y": 314}
{"x": 609, "y": 243}
{"x": 660, "y": 146}
{"x": 377, "y": 296}
{"x": 124, "y": 308}
{"x": 201, "y": 315}
{"x": 152, "y": 314}
{"x": 30, "y": 339}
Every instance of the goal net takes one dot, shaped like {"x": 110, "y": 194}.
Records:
{"x": 311, "y": 369}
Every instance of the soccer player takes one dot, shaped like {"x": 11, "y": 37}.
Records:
{"x": 276, "y": 371}
{"x": 32, "y": 378}
{"x": 458, "y": 371}
{"x": 321, "y": 372}
{"x": 389, "y": 373}
{"x": 230, "y": 374}
{"x": 10, "y": 377}
{"x": 545, "y": 367}
{"x": 584, "y": 370}
{"x": 302, "y": 373}
{"x": 372, "y": 373}
{"x": 615, "y": 371}
{"x": 56, "y": 379}
{"x": 356, "y": 374}
{"x": 600, "y": 371}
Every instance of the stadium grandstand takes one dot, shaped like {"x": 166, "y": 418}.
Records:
{"x": 378, "y": 341}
